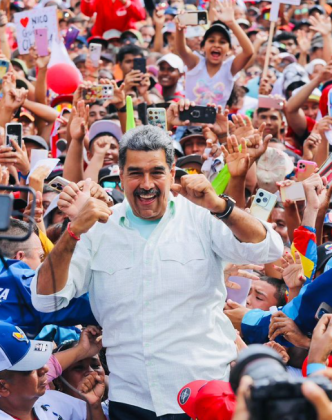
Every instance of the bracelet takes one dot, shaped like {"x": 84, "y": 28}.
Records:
{"x": 123, "y": 109}
{"x": 21, "y": 176}
{"x": 72, "y": 234}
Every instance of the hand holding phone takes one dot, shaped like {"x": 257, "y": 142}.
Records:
{"x": 269, "y": 102}
{"x": 199, "y": 114}
{"x": 263, "y": 204}
{"x": 58, "y": 183}
{"x": 95, "y": 53}
{"x": 193, "y": 18}
{"x": 304, "y": 169}
{"x": 294, "y": 192}
{"x": 71, "y": 35}
{"x": 157, "y": 117}
{"x": 14, "y": 132}
{"x": 140, "y": 64}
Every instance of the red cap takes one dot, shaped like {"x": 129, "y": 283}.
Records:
{"x": 202, "y": 400}
{"x": 324, "y": 100}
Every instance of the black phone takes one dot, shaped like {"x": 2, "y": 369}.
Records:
{"x": 140, "y": 64}
{"x": 142, "y": 115}
{"x": 199, "y": 114}
{"x": 14, "y": 132}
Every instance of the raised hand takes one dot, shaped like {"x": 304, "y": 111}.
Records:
{"x": 241, "y": 127}
{"x": 39, "y": 211}
{"x": 224, "y": 11}
{"x": 79, "y": 123}
{"x": 237, "y": 161}
{"x": 310, "y": 146}
{"x": 321, "y": 344}
{"x": 144, "y": 85}
{"x": 90, "y": 342}
{"x": 304, "y": 40}
{"x": 292, "y": 270}
{"x": 256, "y": 146}
{"x": 321, "y": 24}
{"x": 315, "y": 190}
{"x": 93, "y": 387}
{"x": 279, "y": 349}
{"x": 220, "y": 127}
{"x": 41, "y": 62}
{"x": 119, "y": 97}
{"x": 240, "y": 270}
{"x": 173, "y": 112}
{"x": 18, "y": 158}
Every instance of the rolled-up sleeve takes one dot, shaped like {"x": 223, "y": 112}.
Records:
{"x": 229, "y": 248}
{"x": 78, "y": 281}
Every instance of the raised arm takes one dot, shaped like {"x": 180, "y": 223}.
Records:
{"x": 189, "y": 58}
{"x": 84, "y": 212}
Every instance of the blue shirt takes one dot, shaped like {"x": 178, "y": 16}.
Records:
{"x": 144, "y": 226}
{"x": 16, "y": 306}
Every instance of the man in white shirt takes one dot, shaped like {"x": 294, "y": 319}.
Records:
{"x": 23, "y": 381}
{"x": 153, "y": 271}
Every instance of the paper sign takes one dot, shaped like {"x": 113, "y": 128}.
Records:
{"x": 49, "y": 163}
{"x": 37, "y": 155}
{"x": 37, "y": 18}
{"x": 275, "y": 5}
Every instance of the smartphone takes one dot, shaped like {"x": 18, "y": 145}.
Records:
{"x": 14, "y": 132}
{"x": 41, "y": 41}
{"x": 140, "y": 64}
{"x": 323, "y": 309}
{"x": 142, "y": 112}
{"x": 326, "y": 169}
{"x": 263, "y": 204}
{"x": 99, "y": 92}
{"x": 329, "y": 102}
{"x": 199, "y": 114}
{"x": 269, "y": 102}
{"x": 239, "y": 295}
{"x": 193, "y": 18}
{"x": 294, "y": 192}
{"x": 4, "y": 66}
{"x": 157, "y": 117}
{"x": 304, "y": 169}
{"x": 71, "y": 36}
{"x": 94, "y": 54}
{"x": 6, "y": 205}
{"x": 58, "y": 183}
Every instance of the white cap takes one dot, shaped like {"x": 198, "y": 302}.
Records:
{"x": 243, "y": 22}
{"x": 105, "y": 126}
{"x": 112, "y": 34}
{"x": 194, "y": 31}
{"x": 173, "y": 60}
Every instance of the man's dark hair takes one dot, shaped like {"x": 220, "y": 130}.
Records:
{"x": 10, "y": 248}
{"x": 285, "y": 36}
{"x": 280, "y": 286}
{"x": 99, "y": 103}
{"x": 146, "y": 138}
{"x": 261, "y": 110}
{"x": 128, "y": 49}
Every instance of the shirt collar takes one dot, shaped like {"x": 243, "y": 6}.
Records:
{"x": 124, "y": 222}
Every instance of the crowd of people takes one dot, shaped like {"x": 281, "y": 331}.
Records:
{"x": 149, "y": 250}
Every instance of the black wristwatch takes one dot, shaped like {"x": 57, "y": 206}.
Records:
{"x": 230, "y": 204}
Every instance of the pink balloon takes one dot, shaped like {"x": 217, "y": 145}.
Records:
{"x": 63, "y": 78}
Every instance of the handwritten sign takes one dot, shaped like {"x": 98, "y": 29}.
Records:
{"x": 27, "y": 22}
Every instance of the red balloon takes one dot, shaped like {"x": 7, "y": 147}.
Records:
{"x": 63, "y": 78}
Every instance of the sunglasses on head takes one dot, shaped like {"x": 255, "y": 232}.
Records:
{"x": 301, "y": 11}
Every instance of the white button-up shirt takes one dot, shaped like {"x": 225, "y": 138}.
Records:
{"x": 160, "y": 301}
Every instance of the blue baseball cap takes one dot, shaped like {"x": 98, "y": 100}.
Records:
{"x": 18, "y": 353}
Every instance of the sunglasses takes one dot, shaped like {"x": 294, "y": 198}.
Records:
{"x": 253, "y": 73}
{"x": 112, "y": 184}
{"x": 301, "y": 11}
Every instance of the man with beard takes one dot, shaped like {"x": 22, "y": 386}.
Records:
{"x": 153, "y": 270}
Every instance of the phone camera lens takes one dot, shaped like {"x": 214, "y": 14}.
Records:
{"x": 265, "y": 200}
{"x": 261, "y": 194}
{"x": 258, "y": 200}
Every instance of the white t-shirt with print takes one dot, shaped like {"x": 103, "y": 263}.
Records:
{"x": 203, "y": 89}
{"x": 54, "y": 405}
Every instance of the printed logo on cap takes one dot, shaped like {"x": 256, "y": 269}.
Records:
{"x": 41, "y": 347}
{"x": 20, "y": 336}
{"x": 184, "y": 396}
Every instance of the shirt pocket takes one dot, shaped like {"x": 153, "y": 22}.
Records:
{"x": 183, "y": 266}
{"x": 113, "y": 273}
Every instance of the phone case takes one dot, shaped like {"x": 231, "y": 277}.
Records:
{"x": 323, "y": 309}
{"x": 4, "y": 66}
{"x": 41, "y": 41}
{"x": 71, "y": 36}
{"x": 199, "y": 114}
{"x": 193, "y": 18}
{"x": 140, "y": 64}
{"x": 157, "y": 117}
{"x": 305, "y": 168}
{"x": 99, "y": 92}
{"x": 294, "y": 192}
{"x": 58, "y": 183}
{"x": 263, "y": 204}
{"x": 95, "y": 52}
{"x": 270, "y": 103}
{"x": 326, "y": 169}
{"x": 14, "y": 132}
